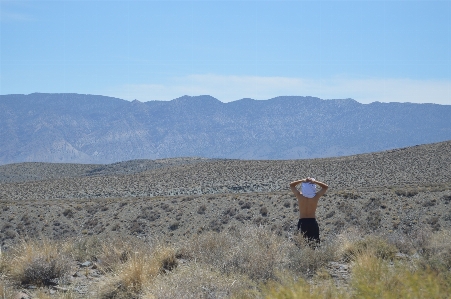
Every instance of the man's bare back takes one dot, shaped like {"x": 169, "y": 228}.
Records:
{"x": 307, "y": 208}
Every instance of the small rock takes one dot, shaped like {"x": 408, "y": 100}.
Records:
{"x": 61, "y": 289}
{"x": 401, "y": 256}
{"x": 81, "y": 289}
{"x": 32, "y": 287}
{"x": 86, "y": 264}
{"x": 21, "y": 295}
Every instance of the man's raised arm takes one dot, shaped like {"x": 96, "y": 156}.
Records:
{"x": 294, "y": 184}
{"x": 323, "y": 186}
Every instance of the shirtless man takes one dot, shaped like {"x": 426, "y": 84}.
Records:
{"x": 308, "y": 203}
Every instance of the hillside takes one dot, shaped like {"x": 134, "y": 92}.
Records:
{"x": 76, "y": 128}
{"x": 401, "y": 189}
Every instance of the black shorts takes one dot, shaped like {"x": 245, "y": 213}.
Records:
{"x": 309, "y": 228}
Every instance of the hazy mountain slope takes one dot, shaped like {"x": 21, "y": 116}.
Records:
{"x": 96, "y": 129}
{"x": 424, "y": 164}
{"x": 36, "y": 171}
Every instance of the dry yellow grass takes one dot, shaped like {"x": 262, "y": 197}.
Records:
{"x": 38, "y": 262}
{"x": 372, "y": 278}
{"x": 248, "y": 262}
{"x": 5, "y": 291}
{"x": 196, "y": 280}
{"x": 375, "y": 278}
{"x": 138, "y": 271}
{"x": 303, "y": 290}
{"x": 437, "y": 251}
{"x": 256, "y": 252}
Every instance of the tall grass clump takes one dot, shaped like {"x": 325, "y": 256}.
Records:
{"x": 242, "y": 262}
{"x": 43, "y": 294}
{"x": 3, "y": 262}
{"x": 139, "y": 270}
{"x": 374, "y": 245}
{"x": 41, "y": 263}
{"x": 436, "y": 253}
{"x": 303, "y": 290}
{"x": 373, "y": 277}
{"x": 306, "y": 257}
{"x": 200, "y": 281}
{"x": 257, "y": 252}
{"x": 5, "y": 291}
{"x": 252, "y": 251}
{"x": 109, "y": 254}
{"x": 88, "y": 248}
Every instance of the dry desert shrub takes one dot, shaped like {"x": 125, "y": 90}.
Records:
{"x": 409, "y": 192}
{"x": 257, "y": 252}
{"x": 108, "y": 253}
{"x": 352, "y": 244}
{"x": 306, "y": 257}
{"x": 5, "y": 291}
{"x": 253, "y": 251}
{"x": 401, "y": 241}
{"x": 436, "y": 252}
{"x": 44, "y": 294}
{"x": 130, "y": 279}
{"x": 348, "y": 194}
{"x": 302, "y": 290}
{"x": 209, "y": 247}
{"x": 41, "y": 262}
{"x": 194, "y": 280}
{"x": 3, "y": 262}
{"x": 373, "y": 277}
{"x": 116, "y": 251}
{"x": 421, "y": 241}
{"x": 128, "y": 282}
{"x": 86, "y": 248}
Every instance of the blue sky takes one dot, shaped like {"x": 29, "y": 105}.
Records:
{"x": 387, "y": 51}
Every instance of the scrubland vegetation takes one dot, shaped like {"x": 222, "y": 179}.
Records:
{"x": 227, "y": 229}
{"x": 249, "y": 262}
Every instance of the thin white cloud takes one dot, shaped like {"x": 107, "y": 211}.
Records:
{"x": 231, "y": 88}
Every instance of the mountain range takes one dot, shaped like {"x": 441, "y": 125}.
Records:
{"x": 80, "y": 128}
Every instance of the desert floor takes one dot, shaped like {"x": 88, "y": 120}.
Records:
{"x": 389, "y": 193}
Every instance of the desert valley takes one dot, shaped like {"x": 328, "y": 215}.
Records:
{"x": 396, "y": 194}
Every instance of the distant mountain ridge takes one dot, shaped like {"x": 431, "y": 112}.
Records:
{"x": 79, "y": 128}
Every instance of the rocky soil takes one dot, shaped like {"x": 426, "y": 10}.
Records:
{"x": 382, "y": 192}
{"x": 394, "y": 193}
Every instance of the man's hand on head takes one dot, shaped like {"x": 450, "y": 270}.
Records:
{"x": 310, "y": 180}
